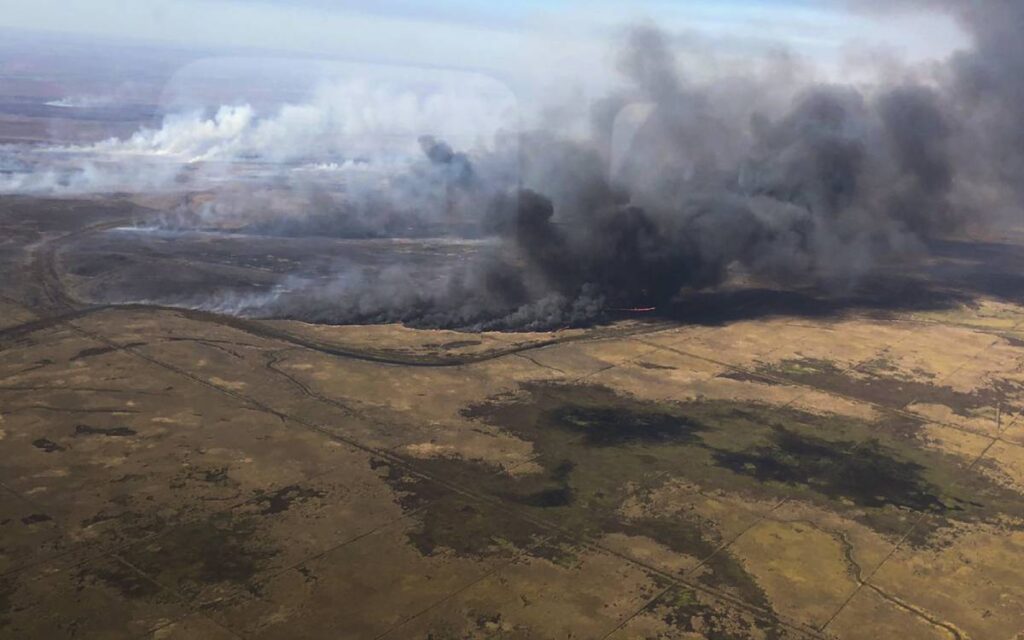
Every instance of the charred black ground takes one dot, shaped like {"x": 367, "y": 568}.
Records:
{"x": 307, "y": 278}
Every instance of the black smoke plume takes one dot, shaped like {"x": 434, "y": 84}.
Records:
{"x": 803, "y": 184}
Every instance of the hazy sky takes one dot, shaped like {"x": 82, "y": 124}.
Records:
{"x": 479, "y": 33}
{"x": 552, "y": 52}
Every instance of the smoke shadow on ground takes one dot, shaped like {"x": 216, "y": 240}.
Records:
{"x": 106, "y": 269}
{"x": 957, "y": 273}
{"x": 722, "y": 307}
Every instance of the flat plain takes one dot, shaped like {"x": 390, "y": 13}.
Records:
{"x": 754, "y": 465}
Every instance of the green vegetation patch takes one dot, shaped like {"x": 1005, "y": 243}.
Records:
{"x": 683, "y": 609}
{"x": 866, "y": 473}
{"x": 600, "y": 452}
{"x": 880, "y": 381}
{"x": 216, "y": 550}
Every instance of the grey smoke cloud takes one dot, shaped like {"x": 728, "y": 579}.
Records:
{"x": 979, "y": 93}
{"x": 717, "y": 179}
{"x": 341, "y": 126}
{"x": 770, "y": 175}
{"x": 819, "y": 190}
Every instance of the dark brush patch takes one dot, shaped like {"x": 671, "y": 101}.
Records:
{"x": 230, "y": 555}
{"x": 768, "y": 452}
{"x": 477, "y": 530}
{"x": 592, "y": 444}
{"x": 456, "y": 344}
{"x": 128, "y": 582}
{"x": 866, "y": 473}
{"x": 743, "y": 376}
{"x": 612, "y": 426}
{"x": 216, "y": 476}
{"x": 98, "y": 351}
{"x": 93, "y": 265}
{"x": 554, "y": 497}
{"x": 598, "y": 449}
{"x": 558, "y": 495}
{"x": 682, "y": 610}
{"x": 8, "y": 588}
{"x": 449, "y": 521}
{"x": 47, "y": 445}
{"x": 1012, "y": 341}
{"x": 282, "y": 500}
{"x": 224, "y": 548}
{"x": 97, "y": 519}
{"x": 656, "y": 367}
{"x": 598, "y": 414}
{"x": 412, "y": 491}
{"x": 880, "y": 382}
{"x": 36, "y": 518}
{"x": 696, "y": 536}
{"x": 113, "y": 432}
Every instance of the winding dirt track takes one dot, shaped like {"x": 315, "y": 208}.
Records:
{"x": 59, "y": 306}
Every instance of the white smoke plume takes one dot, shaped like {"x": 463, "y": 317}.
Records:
{"x": 343, "y": 127}
{"x": 681, "y": 181}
